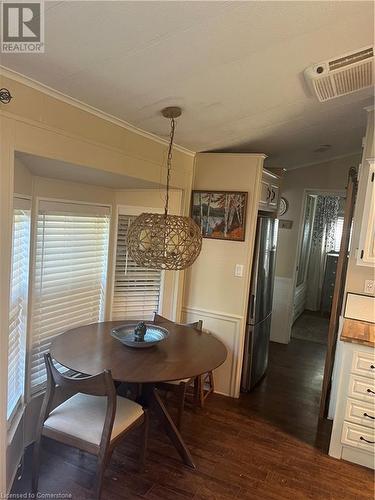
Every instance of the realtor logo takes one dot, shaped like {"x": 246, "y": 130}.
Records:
{"x": 22, "y": 27}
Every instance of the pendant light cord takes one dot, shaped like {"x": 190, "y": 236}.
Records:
{"x": 169, "y": 163}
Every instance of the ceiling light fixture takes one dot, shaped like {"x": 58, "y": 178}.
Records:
{"x": 163, "y": 241}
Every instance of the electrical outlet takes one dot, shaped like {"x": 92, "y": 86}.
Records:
{"x": 369, "y": 286}
{"x": 238, "y": 271}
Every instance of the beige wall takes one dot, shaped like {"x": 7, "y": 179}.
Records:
{"x": 328, "y": 175}
{"x": 120, "y": 150}
{"x": 212, "y": 292}
{"x": 23, "y": 179}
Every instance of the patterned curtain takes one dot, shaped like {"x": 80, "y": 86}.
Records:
{"x": 326, "y": 214}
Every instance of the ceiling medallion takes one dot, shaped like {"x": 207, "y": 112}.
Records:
{"x": 163, "y": 241}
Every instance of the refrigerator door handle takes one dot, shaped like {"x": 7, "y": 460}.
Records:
{"x": 252, "y": 302}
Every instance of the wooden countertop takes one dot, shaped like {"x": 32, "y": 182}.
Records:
{"x": 358, "y": 332}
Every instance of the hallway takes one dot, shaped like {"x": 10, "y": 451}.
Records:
{"x": 311, "y": 326}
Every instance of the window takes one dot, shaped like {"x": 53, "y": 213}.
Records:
{"x": 136, "y": 292}
{"x": 18, "y": 305}
{"x": 70, "y": 274}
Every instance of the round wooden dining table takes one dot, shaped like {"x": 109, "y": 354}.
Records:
{"x": 186, "y": 353}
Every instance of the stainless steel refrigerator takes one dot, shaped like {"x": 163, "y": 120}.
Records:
{"x": 260, "y": 303}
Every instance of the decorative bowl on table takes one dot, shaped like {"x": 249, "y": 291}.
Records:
{"x": 140, "y": 335}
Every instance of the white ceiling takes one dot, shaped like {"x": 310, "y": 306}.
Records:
{"x": 55, "y": 169}
{"x": 234, "y": 67}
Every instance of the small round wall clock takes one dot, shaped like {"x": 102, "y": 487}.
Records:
{"x": 283, "y": 206}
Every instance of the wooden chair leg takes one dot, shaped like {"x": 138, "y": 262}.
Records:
{"x": 211, "y": 381}
{"x": 181, "y": 404}
{"x": 100, "y": 468}
{"x": 36, "y": 466}
{"x": 199, "y": 389}
{"x": 144, "y": 444}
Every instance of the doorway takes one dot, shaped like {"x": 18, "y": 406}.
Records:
{"x": 321, "y": 232}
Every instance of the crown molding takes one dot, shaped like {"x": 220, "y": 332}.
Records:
{"x": 60, "y": 96}
{"x": 326, "y": 160}
{"x": 234, "y": 155}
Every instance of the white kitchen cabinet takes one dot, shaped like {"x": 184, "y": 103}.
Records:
{"x": 353, "y": 436}
{"x": 269, "y": 191}
{"x": 366, "y": 249}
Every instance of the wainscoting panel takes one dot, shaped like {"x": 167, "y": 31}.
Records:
{"x": 228, "y": 328}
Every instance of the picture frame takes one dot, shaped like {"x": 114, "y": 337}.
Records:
{"x": 221, "y": 215}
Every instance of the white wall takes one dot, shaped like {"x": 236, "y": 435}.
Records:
{"x": 326, "y": 176}
{"x": 212, "y": 292}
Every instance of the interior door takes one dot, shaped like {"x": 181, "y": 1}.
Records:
{"x": 338, "y": 294}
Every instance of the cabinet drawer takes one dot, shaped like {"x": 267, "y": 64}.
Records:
{"x": 358, "y": 436}
{"x": 360, "y": 412}
{"x": 362, "y": 388}
{"x": 362, "y": 363}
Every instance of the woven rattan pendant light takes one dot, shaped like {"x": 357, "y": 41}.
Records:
{"x": 163, "y": 241}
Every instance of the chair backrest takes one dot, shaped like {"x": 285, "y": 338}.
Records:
{"x": 197, "y": 325}
{"x": 96, "y": 385}
{"x": 160, "y": 319}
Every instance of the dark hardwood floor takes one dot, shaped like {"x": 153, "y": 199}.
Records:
{"x": 265, "y": 445}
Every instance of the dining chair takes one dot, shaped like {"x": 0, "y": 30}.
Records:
{"x": 203, "y": 384}
{"x": 93, "y": 419}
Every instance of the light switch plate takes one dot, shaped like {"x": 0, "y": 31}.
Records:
{"x": 369, "y": 286}
{"x": 238, "y": 271}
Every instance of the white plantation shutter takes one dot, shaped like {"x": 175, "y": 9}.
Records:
{"x": 70, "y": 274}
{"x": 136, "y": 289}
{"x": 18, "y": 304}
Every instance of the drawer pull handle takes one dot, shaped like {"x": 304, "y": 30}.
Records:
{"x": 372, "y": 367}
{"x": 370, "y": 391}
{"x": 367, "y": 441}
{"x": 369, "y": 416}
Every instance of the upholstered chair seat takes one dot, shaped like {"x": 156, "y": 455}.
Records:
{"x": 83, "y": 415}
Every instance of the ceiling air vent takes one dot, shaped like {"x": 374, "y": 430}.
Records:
{"x": 343, "y": 75}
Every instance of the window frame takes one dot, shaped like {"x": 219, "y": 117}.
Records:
{"x": 17, "y": 412}
{"x": 37, "y": 200}
{"x": 131, "y": 210}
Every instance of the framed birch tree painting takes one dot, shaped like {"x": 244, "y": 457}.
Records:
{"x": 221, "y": 215}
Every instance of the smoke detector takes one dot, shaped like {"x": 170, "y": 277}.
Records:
{"x": 343, "y": 75}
